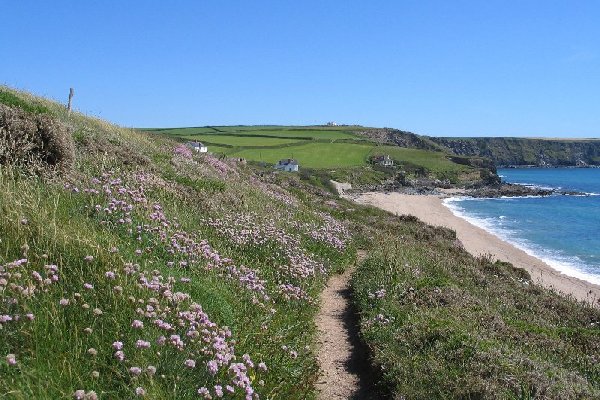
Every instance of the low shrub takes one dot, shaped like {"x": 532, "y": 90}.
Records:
{"x": 36, "y": 142}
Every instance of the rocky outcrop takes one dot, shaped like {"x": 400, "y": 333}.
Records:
{"x": 400, "y": 138}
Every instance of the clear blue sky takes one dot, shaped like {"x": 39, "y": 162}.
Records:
{"x": 452, "y": 68}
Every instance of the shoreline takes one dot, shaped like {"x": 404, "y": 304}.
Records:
{"x": 477, "y": 241}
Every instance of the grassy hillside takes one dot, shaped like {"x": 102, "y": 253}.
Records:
{"x": 315, "y": 147}
{"x": 145, "y": 270}
{"x": 442, "y": 324}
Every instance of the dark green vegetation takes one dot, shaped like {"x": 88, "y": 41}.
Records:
{"x": 527, "y": 152}
{"x": 442, "y": 324}
{"x": 200, "y": 269}
{"x": 342, "y": 151}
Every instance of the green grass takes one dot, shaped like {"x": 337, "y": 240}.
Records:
{"x": 9, "y": 98}
{"x": 340, "y": 155}
{"x": 240, "y": 141}
{"x": 47, "y": 223}
{"x": 436, "y": 162}
{"x": 452, "y": 326}
{"x": 312, "y": 155}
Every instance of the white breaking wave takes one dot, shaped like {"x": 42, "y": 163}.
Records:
{"x": 571, "y": 266}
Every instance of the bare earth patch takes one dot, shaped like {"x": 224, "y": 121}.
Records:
{"x": 345, "y": 372}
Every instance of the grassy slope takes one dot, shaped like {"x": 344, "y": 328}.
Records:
{"x": 442, "y": 324}
{"x": 183, "y": 212}
{"x": 314, "y": 147}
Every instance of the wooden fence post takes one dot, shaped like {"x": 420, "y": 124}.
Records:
{"x": 71, "y": 94}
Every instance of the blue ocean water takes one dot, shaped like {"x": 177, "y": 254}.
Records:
{"x": 564, "y": 231}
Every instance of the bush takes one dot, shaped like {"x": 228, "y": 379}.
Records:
{"x": 33, "y": 141}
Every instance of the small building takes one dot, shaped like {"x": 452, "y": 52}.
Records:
{"x": 288, "y": 164}
{"x": 382, "y": 159}
{"x": 197, "y": 146}
{"x": 332, "y": 123}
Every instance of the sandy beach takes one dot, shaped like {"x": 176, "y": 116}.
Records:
{"x": 430, "y": 209}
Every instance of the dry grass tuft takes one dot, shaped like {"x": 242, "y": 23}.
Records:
{"x": 37, "y": 143}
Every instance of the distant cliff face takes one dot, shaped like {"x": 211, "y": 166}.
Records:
{"x": 521, "y": 151}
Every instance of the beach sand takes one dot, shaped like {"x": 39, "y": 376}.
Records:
{"x": 430, "y": 209}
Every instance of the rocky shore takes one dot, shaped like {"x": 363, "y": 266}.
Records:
{"x": 489, "y": 191}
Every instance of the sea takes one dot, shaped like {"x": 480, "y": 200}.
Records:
{"x": 562, "y": 230}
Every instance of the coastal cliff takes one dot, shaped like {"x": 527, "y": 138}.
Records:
{"x": 505, "y": 151}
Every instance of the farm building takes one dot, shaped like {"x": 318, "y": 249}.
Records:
{"x": 197, "y": 146}
{"x": 383, "y": 160}
{"x": 332, "y": 123}
{"x": 288, "y": 164}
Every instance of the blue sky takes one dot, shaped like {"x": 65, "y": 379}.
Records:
{"x": 442, "y": 68}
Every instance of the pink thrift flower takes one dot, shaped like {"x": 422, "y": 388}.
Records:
{"x": 88, "y": 286}
{"x": 204, "y": 392}
{"x": 262, "y": 366}
{"x": 79, "y": 394}
{"x": 248, "y": 361}
{"x": 151, "y": 370}
{"x": 89, "y": 258}
{"x": 142, "y": 344}
{"x": 137, "y": 324}
{"x": 11, "y": 359}
{"x": 139, "y": 391}
{"x": 110, "y": 274}
{"x": 218, "y": 390}
{"x": 213, "y": 367}
{"x": 64, "y": 302}
{"x": 91, "y": 395}
{"x": 135, "y": 371}
{"x": 190, "y": 363}
{"x": 120, "y": 355}
{"x": 117, "y": 345}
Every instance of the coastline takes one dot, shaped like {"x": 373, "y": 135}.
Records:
{"x": 477, "y": 241}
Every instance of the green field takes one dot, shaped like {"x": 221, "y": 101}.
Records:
{"x": 335, "y": 155}
{"x": 240, "y": 141}
{"x": 313, "y": 155}
{"x": 314, "y": 147}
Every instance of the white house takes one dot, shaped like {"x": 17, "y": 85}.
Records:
{"x": 197, "y": 146}
{"x": 288, "y": 164}
{"x": 332, "y": 123}
{"x": 383, "y": 160}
